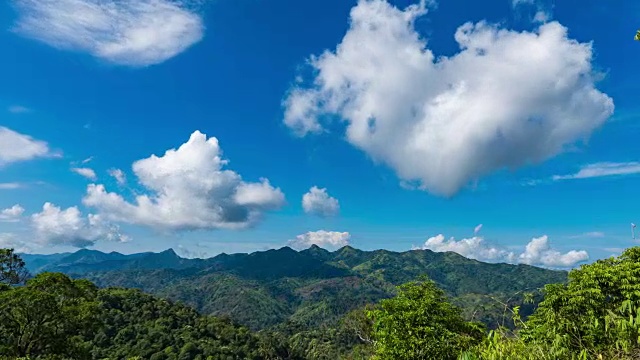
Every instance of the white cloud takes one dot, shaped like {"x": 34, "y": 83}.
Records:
{"x": 17, "y": 109}
{"x": 54, "y": 226}
{"x": 541, "y": 16}
{"x": 12, "y": 241}
{"x": 11, "y": 214}
{"x": 119, "y": 175}
{"x": 125, "y": 32}
{"x": 188, "y": 189}
{"x": 16, "y": 147}
{"x": 87, "y": 160}
{"x": 537, "y": 252}
{"x": 322, "y": 238}
{"x": 447, "y": 121}
{"x": 473, "y": 248}
{"x": 477, "y": 229}
{"x": 602, "y": 169}
{"x": 86, "y": 172}
{"x": 318, "y": 202}
{"x": 10, "y": 186}
{"x": 515, "y": 3}
{"x": 589, "y": 235}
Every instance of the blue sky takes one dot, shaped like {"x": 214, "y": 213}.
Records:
{"x": 402, "y": 144}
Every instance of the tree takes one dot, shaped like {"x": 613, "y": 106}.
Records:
{"x": 419, "y": 323}
{"x": 12, "y": 268}
{"x": 52, "y": 315}
{"x": 597, "y": 312}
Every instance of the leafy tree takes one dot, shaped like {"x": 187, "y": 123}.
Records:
{"x": 12, "y": 268}
{"x": 596, "y": 312}
{"x": 596, "y": 315}
{"x": 419, "y": 323}
{"x": 51, "y": 315}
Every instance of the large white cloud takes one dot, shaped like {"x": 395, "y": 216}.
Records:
{"x": 126, "y": 32}
{"x": 188, "y": 189}
{"x": 506, "y": 99}
{"x": 318, "y": 202}
{"x": 322, "y": 238}
{"x": 537, "y": 251}
{"x": 54, "y": 226}
{"x": 16, "y": 147}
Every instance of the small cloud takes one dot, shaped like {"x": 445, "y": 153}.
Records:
{"x": 537, "y": 252}
{"x": 17, "y": 109}
{"x": 477, "y": 229}
{"x": 191, "y": 253}
{"x": 54, "y": 226}
{"x": 16, "y": 147}
{"x": 118, "y": 175}
{"x": 589, "y": 235}
{"x": 87, "y": 160}
{"x": 86, "y": 172}
{"x": 318, "y": 202}
{"x": 123, "y": 32}
{"x": 10, "y": 186}
{"x": 541, "y": 17}
{"x": 11, "y": 214}
{"x": 602, "y": 169}
{"x": 322, "y": 238}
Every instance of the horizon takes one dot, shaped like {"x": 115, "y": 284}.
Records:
{"x": 312, "y": 246}
{"x": 234, "y": 127}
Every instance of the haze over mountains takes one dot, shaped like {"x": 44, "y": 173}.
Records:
{"x": 312, "y": 287}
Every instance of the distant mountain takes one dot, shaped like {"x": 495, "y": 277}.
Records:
{"x": 311, "y": 287}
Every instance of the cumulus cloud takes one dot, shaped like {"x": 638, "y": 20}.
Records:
{"x": 318, "y": 202}
{"x": 11, "y": 214}
{"x": 447, "y": 121}
{"x": 86, "y": 172}
{"x": 54, "y": 226}
{"x": 12, "y": 241}
{"x": 537, "y": 252}
{"x": 188, "y": 189}
{"x": 15, "y": 147}
{"x": 119, "y": 175}
{"x": 124, "y": 32}
{"x": 322, "y": 238}
{"x": 602, "y": 169}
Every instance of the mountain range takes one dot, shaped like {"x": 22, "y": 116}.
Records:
{"x": 312, "y": 287}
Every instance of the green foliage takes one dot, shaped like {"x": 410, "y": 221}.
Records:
{"x": 596, "y": 315}
{"x": 314, "y": 287}
{"x": 419, "y": 323}
{"x": 12, "y": 268}
{"x": 51, "y": 315}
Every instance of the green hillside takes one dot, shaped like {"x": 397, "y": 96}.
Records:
{"x": 312, "y": 287}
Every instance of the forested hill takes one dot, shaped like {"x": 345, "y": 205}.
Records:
{"x": 310, "y": 287}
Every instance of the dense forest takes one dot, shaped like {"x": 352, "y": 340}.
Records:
{"x": 311, "y": 288}
{"x": 593, "y": 314}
